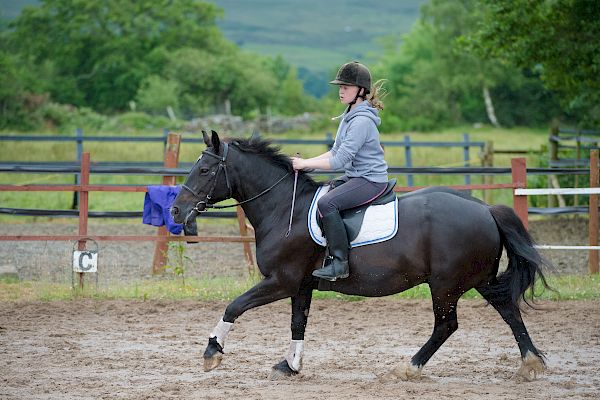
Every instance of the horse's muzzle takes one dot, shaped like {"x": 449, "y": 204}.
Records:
{"x": 190, "y": 229}
{"x": 191, "y": 216}
{"x": 176, "y": 214}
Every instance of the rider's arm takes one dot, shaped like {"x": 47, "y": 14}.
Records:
{"x": 324, "y": 155}
{"x": 319, "y": 162}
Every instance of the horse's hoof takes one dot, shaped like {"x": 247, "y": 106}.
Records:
{"x": 213, "y": 355}
{"x": 532, "y": 367}
{"x": 406, "y": 372}
{"x": 282, "y": 370}
{"x": 213, "y": 362}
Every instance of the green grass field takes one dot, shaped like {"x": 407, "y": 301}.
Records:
{"x": 567, "y": 287}
{"x": 516, "y": 138}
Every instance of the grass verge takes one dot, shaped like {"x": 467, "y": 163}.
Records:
{"x": 568, "y": 287}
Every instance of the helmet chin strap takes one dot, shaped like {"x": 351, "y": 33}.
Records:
{"x": 358, "y": 94}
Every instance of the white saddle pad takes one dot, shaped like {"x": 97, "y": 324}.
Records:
{"x": 380, "y": 222}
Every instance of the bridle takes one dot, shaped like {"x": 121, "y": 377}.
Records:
{"x": 221, "y": 167}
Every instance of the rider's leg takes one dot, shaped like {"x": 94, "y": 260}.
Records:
{"x": 355, "y": 192}
{"x": 337, "y": 241}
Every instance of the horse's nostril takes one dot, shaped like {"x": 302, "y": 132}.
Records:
{"x": 175, "y": 210}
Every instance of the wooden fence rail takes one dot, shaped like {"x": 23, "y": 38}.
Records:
{"x": 519, "y": 181}
{"x": 466, "y": 144}
{"x": 84, "y": 188}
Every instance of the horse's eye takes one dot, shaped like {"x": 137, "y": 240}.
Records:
{"x": 204, "y": 170}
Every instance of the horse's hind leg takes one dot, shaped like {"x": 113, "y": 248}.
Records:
{"x": 532, "y": 359}
{"x": 292, "y": 363}
{"x": 446, "y": 323}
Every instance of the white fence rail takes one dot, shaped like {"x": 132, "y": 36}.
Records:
{"x": 593, "y": 191}
{"x": 536, "y": 192}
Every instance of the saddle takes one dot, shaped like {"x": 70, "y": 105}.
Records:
{"x": 353, "y": 217}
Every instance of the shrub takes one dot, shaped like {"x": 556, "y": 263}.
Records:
{"x": 156, "y": 94}
{"x": 67, "y": 118}
{"x": 139, "y": 121}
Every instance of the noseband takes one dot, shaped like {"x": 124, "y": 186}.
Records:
{"x": 196, "y": 193}
{"x": 206, "y": 202}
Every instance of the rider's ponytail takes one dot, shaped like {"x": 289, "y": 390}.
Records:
{"x": 377, "y": 94}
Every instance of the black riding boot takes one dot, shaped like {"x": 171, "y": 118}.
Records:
{"x": 337, "y": 241}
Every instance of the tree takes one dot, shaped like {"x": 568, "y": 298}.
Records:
{"x": 289, "y": 96}
{"x": 435, "y": 81}
{"x": 156, "y": 94}
{"x": 559, "y": 38}
{"x": 101, "y": 51}
{"x": 22, "y": 90}
{"x": 12, "y": 91}
{"x": 219, "y": 82}
{"x": 168, "y": 53}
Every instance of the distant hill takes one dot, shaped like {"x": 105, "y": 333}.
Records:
{"x": 10, "y": 9}
{"x": 314, "y": 35}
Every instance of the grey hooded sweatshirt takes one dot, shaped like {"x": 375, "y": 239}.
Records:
{"x": 357, "y": 149}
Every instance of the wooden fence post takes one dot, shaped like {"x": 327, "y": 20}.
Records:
{"x": 408, "y": 160}
{"x": 578, "y": 158}
{"x": 466, "y": 157}
{"x": 519, "y": 180}
{"x": 165, "y": 138}
{"x": 83, "y": 205}
{"x": 553, "y": 139}
{"x": 330, "y": 140}
{"x": 78, "y": 154}
{"x": 593, "y": 213}
{"x": 487, "y": 160}
{"x": 171, "y": 160}
{"x": 244, "y": 232}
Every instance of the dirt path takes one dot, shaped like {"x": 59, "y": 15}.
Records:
{"x": 153, "y": 350}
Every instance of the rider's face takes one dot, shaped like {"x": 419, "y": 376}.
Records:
{"x": 347, "y": 93}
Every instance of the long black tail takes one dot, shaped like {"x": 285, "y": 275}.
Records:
{"x": 524, "y": 261}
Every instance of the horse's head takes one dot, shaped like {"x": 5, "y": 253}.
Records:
{"x": 206, "y": 184}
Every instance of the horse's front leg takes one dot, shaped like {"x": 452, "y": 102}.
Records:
{"x": 292, "y": 363}
{"x": 266, "y": 291}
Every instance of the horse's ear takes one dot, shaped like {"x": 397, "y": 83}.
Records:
{"x": 216, "y": 142}
{"x": 206, "y": 139}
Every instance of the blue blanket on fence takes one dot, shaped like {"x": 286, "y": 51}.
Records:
{"x": 157, "y": 206}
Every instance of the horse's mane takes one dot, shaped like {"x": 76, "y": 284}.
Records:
{"x": 266, "y": 149}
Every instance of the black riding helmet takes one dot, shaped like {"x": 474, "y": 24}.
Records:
{"x": 353, "y": 74}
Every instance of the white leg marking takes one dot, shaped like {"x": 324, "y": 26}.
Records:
{"x": 294, "y": 355}
{"x": 221, "y": 331}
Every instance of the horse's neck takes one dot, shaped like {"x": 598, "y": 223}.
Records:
{"x": 272, "y": 208}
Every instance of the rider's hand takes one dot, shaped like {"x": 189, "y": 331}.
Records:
{"x": 298, "y": 163}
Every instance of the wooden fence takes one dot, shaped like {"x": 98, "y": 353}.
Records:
{"x": 171, "y": 155}
{"x": 569, "y": 148}
{"x": 486, "y": 151}
{"x": 518, "y": 172}
{"x": 84, "y": 188}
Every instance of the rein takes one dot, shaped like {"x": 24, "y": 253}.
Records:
{"x": 196, "y": 210}
{"x": 293, "y": 201}
{"x": 251, "y": 198}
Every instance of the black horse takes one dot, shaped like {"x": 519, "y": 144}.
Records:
{"x": 445, "y": 238}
